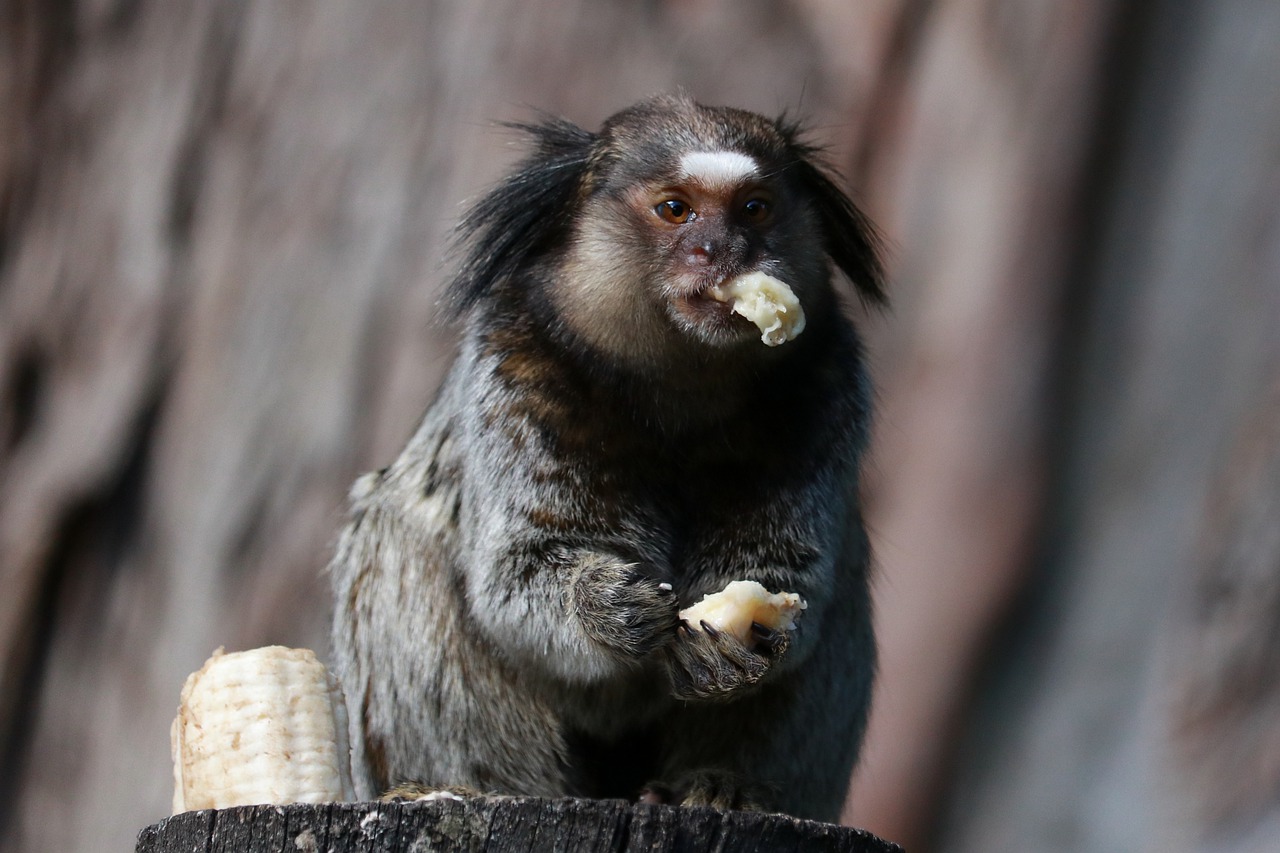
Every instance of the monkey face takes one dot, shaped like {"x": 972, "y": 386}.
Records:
{"x": 678, "y": 210}
{"x": 622, "y": 234}
{"x": 714, "y": 222}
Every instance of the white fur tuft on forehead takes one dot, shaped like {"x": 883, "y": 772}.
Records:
{"x": 718, "y": 167}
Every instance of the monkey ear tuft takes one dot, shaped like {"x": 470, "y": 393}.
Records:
{"x": 523, "y": 215}
{"x": 849, "y": 237}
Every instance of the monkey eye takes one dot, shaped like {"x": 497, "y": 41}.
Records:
{"x": 675, "y": 211}
{"x": 757, "y": 210}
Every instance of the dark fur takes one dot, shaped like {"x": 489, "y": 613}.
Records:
{"x": 527, "y": 214}
{"x": 501, "y": 619}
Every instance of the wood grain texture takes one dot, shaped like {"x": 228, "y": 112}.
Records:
{"x": 1139, "y": 644}
{"x": 997, "y": 112}
{"x": 510, "y": 825}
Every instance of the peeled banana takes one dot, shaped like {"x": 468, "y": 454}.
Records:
{"x": 765, "y": 301}
{"x": 734, "y": 608}
{"x": 261, "y": 726}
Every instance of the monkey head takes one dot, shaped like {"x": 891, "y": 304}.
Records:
{"x": 621, "y": 235}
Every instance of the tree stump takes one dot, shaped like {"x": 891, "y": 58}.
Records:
{"x": 500, "y": 825}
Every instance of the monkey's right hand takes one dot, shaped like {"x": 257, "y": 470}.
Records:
{"x": 622, "y": 609}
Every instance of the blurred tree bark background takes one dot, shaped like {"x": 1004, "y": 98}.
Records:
{"x": 223, "y": 228}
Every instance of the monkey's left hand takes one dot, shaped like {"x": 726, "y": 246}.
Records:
{"x": 709, "y": 665}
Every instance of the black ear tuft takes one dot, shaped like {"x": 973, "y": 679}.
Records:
{"x": 524, "y": 214}
{"x": 850, "y": 238}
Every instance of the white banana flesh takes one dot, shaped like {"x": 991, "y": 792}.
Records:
{"x": 261, "y": 726}
{"x": 765, "y": 301}
{"x": 734, "y": 608}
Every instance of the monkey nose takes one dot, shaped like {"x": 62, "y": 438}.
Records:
{"x": 702, "y": 254}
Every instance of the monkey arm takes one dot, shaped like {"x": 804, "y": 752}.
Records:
{"x": 577, "y": 609}
{"x": 788, "y": 518}
{"x": 796, "y": 541}
{"x": 562, "y": 577}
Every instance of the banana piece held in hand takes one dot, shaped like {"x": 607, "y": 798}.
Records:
{"x": 734, "y": 608}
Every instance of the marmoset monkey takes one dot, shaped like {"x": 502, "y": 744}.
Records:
{"x": 612, "y": 443}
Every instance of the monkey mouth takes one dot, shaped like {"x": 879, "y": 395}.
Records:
{"x": 701, "y": 312}
{"x": 702, "y": 302}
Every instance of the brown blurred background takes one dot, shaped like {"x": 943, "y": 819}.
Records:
{"x": 222, "y": 233}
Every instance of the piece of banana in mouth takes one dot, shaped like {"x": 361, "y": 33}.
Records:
{"x": 765, "y": 301}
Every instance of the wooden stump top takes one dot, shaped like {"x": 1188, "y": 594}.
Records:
{"x": 498, "y": 825}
